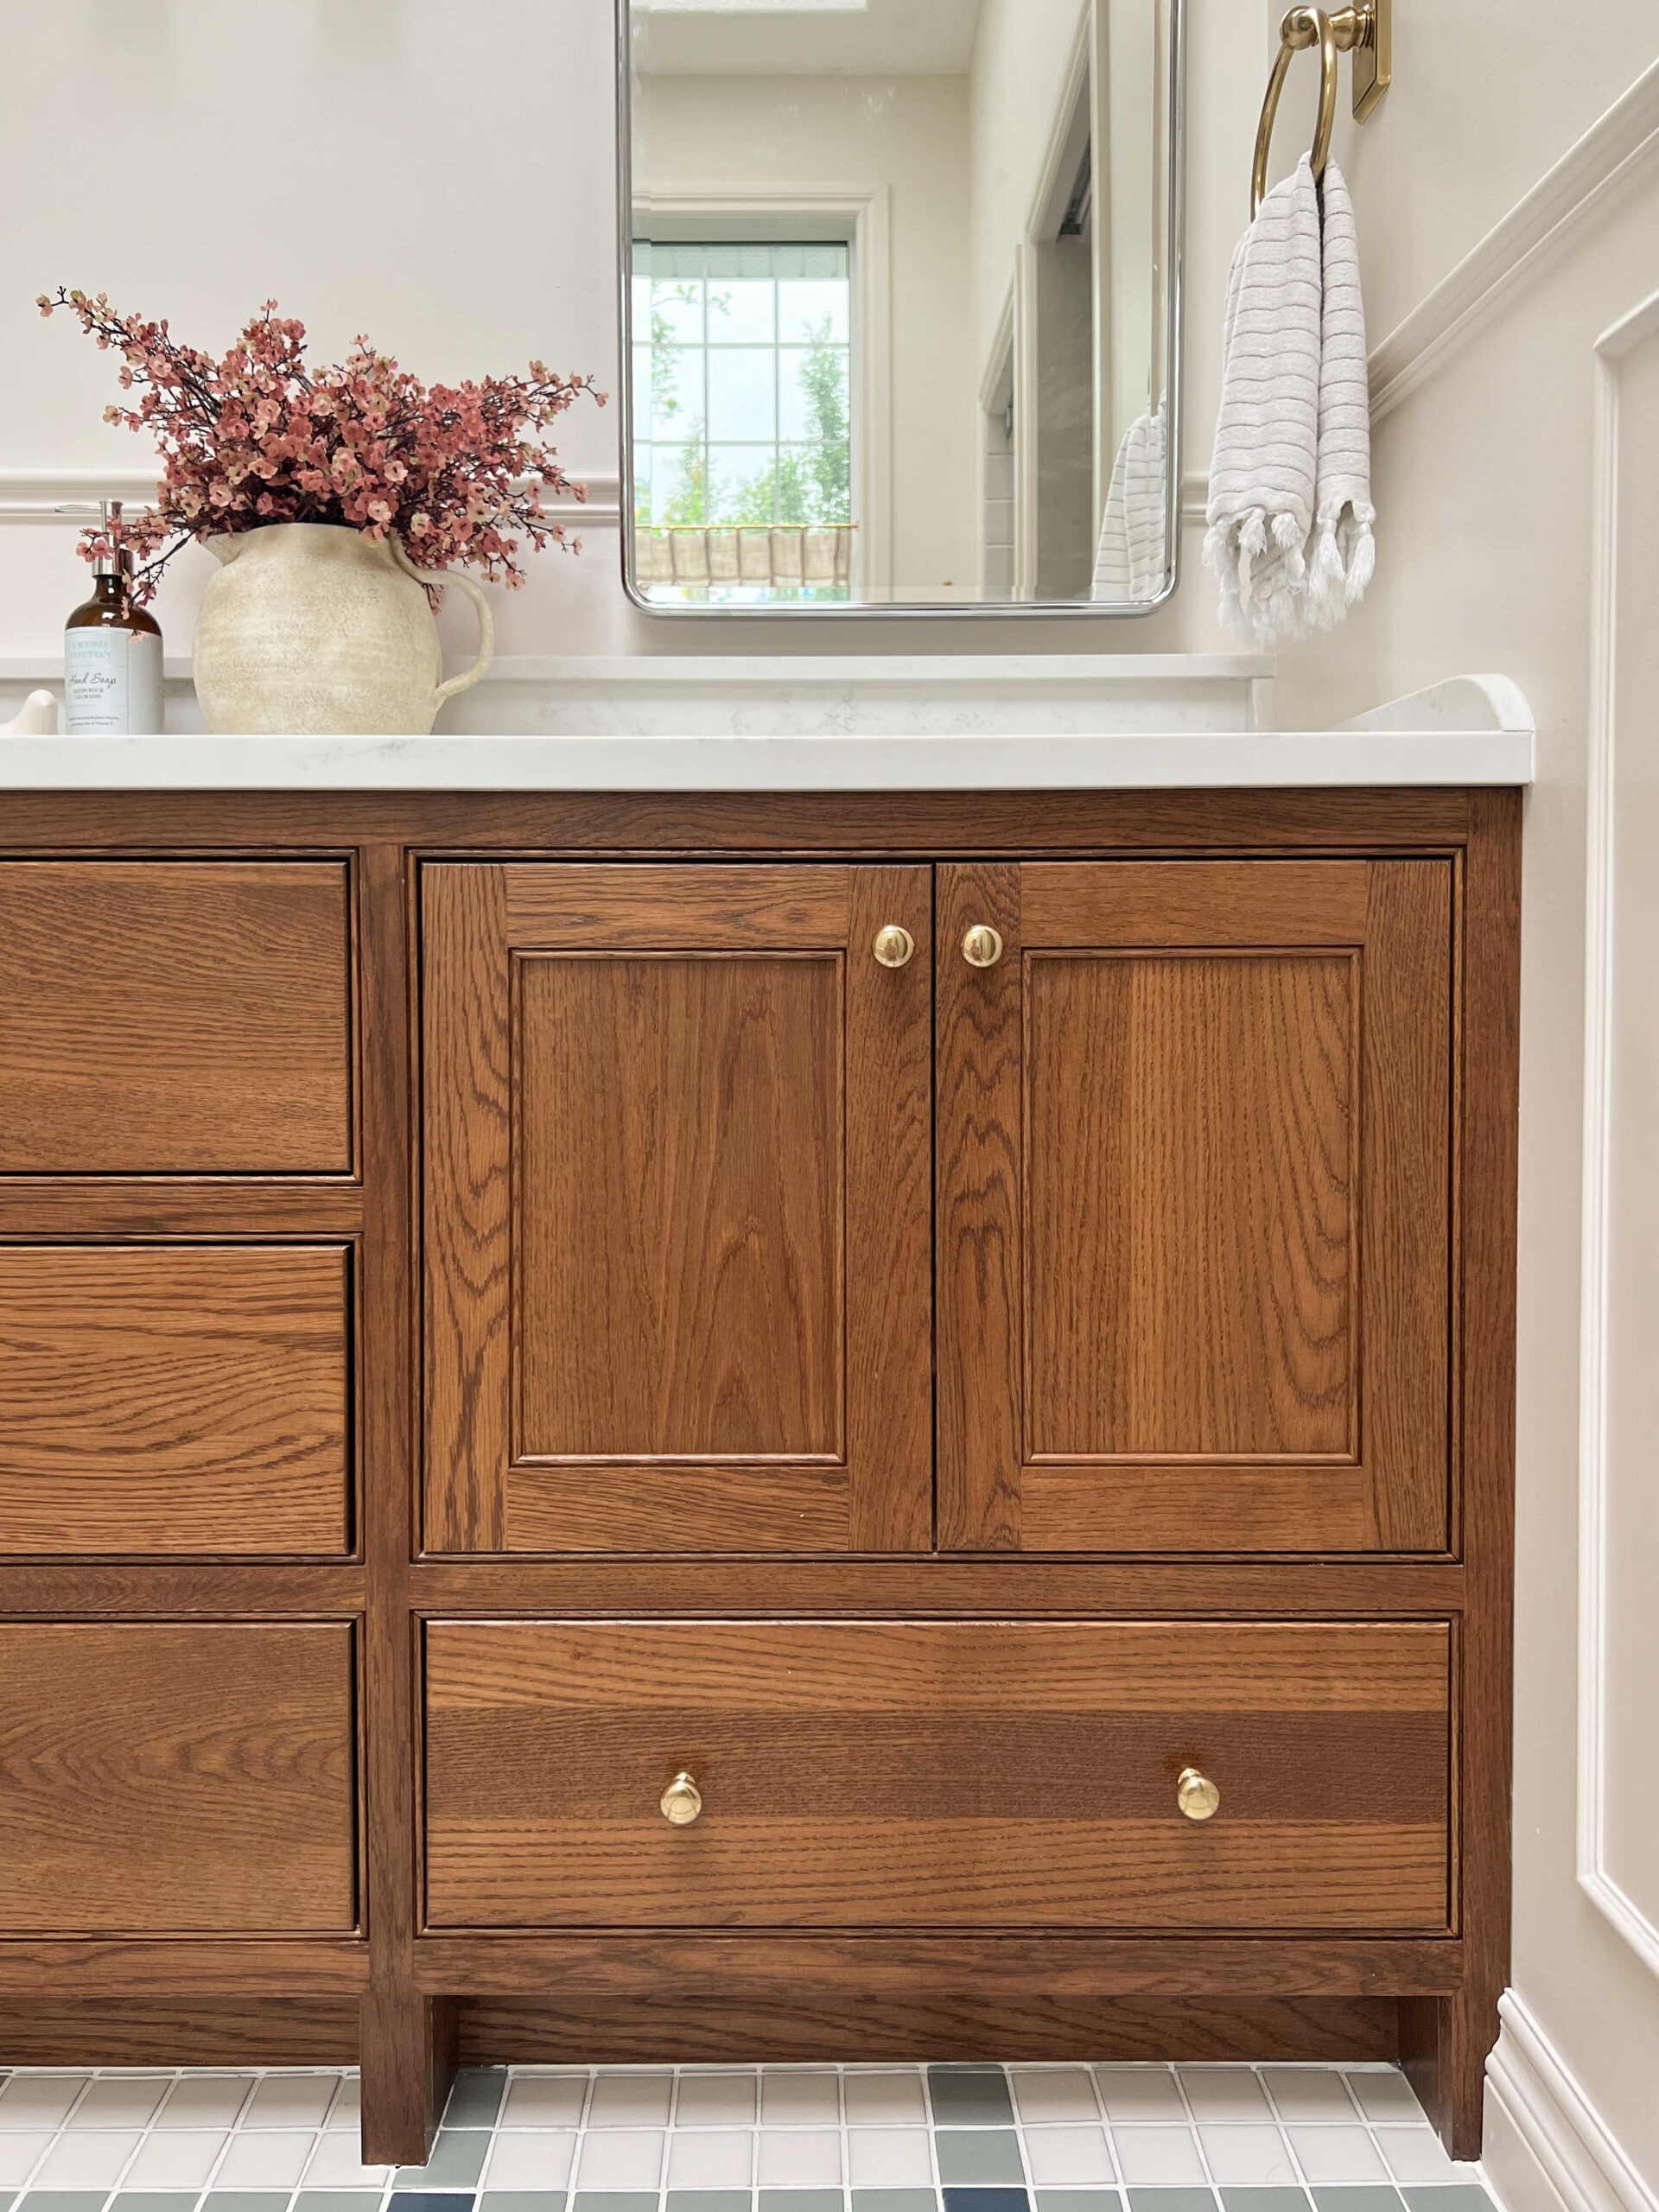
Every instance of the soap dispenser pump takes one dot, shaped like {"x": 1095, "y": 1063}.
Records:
{"x": 111, "y": 650}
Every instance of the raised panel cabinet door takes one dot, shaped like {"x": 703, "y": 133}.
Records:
{"x": 677, "y": 1135}
{"x": 1194, "y": 1207}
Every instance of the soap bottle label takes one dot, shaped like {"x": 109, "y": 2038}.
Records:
{"x": 111, "y": 682}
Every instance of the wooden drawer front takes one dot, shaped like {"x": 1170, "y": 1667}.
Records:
{"x": 949, "y": 1775}
{"x": 173, "y": 1400}
{"x": 172, "y": 1777}
{"x": 162, "y": 1017}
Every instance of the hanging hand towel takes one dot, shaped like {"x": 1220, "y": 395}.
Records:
{"x": 1290, "y": 513}
{"x": 1344, "y": 552}
{"x": 1133, "y": 564}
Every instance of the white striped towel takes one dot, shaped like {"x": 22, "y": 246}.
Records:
{"x": 1133, "y": 564}
{"x": 1290, "y": 514}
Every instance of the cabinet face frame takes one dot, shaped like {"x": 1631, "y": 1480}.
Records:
{"x": 1387, "y": 1483}
{"x": 521, "y": 963}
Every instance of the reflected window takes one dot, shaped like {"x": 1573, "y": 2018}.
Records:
{"x": 743, "y": 423}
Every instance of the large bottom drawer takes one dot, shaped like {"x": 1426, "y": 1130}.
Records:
{"x": 171, "y": 1778}
{"x": 897, "y": 1774}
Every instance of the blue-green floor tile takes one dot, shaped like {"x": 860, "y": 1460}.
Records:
{"x": 1079, "y": 2200}
{"x": 1356, "y": 2196}
{"x": 613, "y": 2200}
{"x": 1265, "y": 2199}
{"x": 894, "y": 2200}
{"x": 433, "y": 2201}
{"x": 1447, "y": 2196}
{"x": 1171, "y": 2200}
{"x": 986, "y": 2200}
{"x": 979, "y": 2155}
{"x": 155, "y": 2200}
{"x": 476, "y": 2100}
{"x": 456, "y": 2163}
{"x": 523, "y": 2200}
{"x": 245, "y": 2200}
{"x": 326, "y": 2200}
{"x": 801, "y": 2200}
{"x": 969, "y": 2096}
{"x": 63, "y": 2200}
{"x": 708, "y": 2200}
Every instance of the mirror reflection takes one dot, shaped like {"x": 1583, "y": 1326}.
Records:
{"x": 900, "y": 303}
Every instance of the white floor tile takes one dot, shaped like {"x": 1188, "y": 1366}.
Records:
{"x": 710, "y": 2158}
{"x": 1248, "y": 2158}
{"x": 38, "y": 2100}
{"x": 1387, "y": 2097}
{"x": 177, "y": 2158}
{"x": 544, "y": 2100}
{"x": 630, "y": 2100}
{"x": 717, "y": 2101}
{"x": 19, "y": 2150}
{"x": 792, "y": 2100}
{"x": 1310, "y": 2095}
{"x": 291, "y": 2100}
{"x": 1337, "y": 2154}
{"x": 799, "y": 2157}
{"x": 1138, "y": 2093}
{"x": 90, "y": 2161}
{"x": 1070, "y": 2158}
{"x": 621, "y": 2157}
{"x": 1416, "y": 2154}
{"x": 264, "y": 2158}
{"x": 204, "y": 2101}
{"x": 334, "y": 2164}
{"x": 884, "y": 2099}
{"x": 1047, "y": 2094}
{"x": 120, "y": 2102}
{"x": 889, "y": 2157}
{"x": 527, "y": 2160}
{"x": 346, "y": 2110}
{"x": 1224, "y": 2094}
{"x": 1148, "y": 2157}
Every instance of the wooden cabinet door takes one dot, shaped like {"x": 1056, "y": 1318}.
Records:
{"x": 1194, "y": 1173}
{"x": 677, "y": 1158}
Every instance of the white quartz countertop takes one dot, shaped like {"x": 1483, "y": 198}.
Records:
{"x": 1473, "y": 730}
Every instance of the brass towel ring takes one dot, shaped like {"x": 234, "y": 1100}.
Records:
{"x": 1361, "y": 29}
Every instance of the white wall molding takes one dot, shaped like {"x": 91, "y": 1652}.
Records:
{"x": 33, "y": 495}
{"x": 1562, "y": 2133}
{"x": 1612, "y": 349}
{"x": 1517, "y": 248}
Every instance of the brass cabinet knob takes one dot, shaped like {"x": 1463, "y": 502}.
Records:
{"x": 1195, "y": 1795}
{"x": 894, "y": 947}
{"x": 983, "y": 946}
{"x": 681, "y": 1801}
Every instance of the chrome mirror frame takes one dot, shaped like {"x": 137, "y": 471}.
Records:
{"x": 911, "y": 610}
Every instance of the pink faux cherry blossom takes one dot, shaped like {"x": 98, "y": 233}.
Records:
{"x": 457, "y": 472}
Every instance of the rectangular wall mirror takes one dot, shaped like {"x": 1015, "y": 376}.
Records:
{"x": 901, "y": 304}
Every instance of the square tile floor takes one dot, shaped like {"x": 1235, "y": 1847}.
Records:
{"x": 852, "y": 2139}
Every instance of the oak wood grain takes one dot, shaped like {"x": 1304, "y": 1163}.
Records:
{"x": 700, "y": 1318}
{"x": 168, "y": 1399}
{"x": 947, "y": 1775}
{"x": 1194, "y": 1268}
{"x": 177, "y": 1778}
{"x": 174, "y": 1017}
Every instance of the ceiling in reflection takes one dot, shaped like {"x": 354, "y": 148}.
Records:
{"x": 766, "y": 38}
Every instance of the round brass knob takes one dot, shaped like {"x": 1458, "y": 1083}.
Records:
{"x": 894, "y": 947}
{"x": 1196, "y": 1795}
{"x": 681, "y": 1801}
{"x": 983, "y": 946}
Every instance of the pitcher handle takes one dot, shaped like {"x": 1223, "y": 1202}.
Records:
{"x": 468, "y": 677}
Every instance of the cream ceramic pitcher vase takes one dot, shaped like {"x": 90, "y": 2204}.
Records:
{"x": 313, "y": 630}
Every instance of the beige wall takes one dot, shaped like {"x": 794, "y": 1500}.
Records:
{"x": 910, "y": 133}
{"x": 442, "y": 175}
{"x": 1493, "y": 496}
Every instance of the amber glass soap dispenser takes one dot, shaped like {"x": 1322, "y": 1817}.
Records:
{"x": 111, "y": 652}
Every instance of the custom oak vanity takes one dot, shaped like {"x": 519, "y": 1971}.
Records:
{"x": 660, "y": 1425}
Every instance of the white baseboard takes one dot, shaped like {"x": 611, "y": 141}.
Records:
{"x": 1546, "y": 2146}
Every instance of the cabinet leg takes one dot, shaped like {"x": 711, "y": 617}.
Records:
{"x": 1444, "y": 2043}
{"x": 408, "y": 2054}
